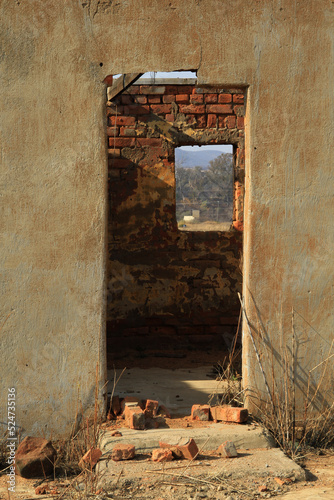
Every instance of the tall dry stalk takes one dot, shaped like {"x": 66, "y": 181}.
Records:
{"x": 292, "y": 431}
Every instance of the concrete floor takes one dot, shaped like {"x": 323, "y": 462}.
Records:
{"x": 177, "y": 389}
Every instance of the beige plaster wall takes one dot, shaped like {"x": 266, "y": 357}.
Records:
{"x": 53, "y": 175}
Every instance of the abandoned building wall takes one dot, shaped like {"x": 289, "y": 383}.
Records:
{"x": 54, "y": 177}
{"x": 169, "y": 288}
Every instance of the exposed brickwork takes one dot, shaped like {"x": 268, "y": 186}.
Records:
{"x": 164, "y": 283}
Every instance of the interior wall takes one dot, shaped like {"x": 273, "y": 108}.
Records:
{"x": 54, "y": 178}
{"x": 169, "y": 289}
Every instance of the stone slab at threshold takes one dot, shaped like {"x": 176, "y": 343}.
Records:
{"x": 210, "y": 437}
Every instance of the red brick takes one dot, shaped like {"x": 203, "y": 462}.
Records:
{"x": 153, "y": 99}
{"x": 152, "y": 89}
{"x": 196, "y": 98}
{"x": 161, "y": 108}
{"x": 211, "y": 98}
{"x": 162, "y": 455}
{"x": 230, "y": 121}
{"x": 151, "y": 408}
{"x": 238, "y": 225}
{"x": 221, "y": 121}
{"x": 90, "y": 458}
{"x": 136, "y": 110}
{"x": 134, "y": 417}
{"x": 212, "y": 121}
{"x": 189, "y": 450}
{"x": 184, "y": 447}
{"x": 146, "y": 141}
{"x": 219, "y": 108}
{"x": 201, "y": 121}
{"x": 128, "y": 132}
{"x": 122, "y": 142}
{"x": 168, "y": 99}
{"x": 192, "y": 108}
{"x": 240, "y": 122}
{"x": 123, "y": 452}
{"x": 131, "y": 399}
{"x": 114, "y": 153}
{"x": 238, "y": 98}
{"x": 182, "y": 98}
{"x": 229, "y": 414}
{"x": 122, "y": 120}
{"x": 170, "y": 118}
{"x": 224, "y": 98}
{"x": 179, "y": 89}
{"x": 121, "y": 163}
{"x": 114, "y": 110}
{"x": 141, "y": 99}
{"x": 200, "y": 412}
{"x": 127, "y": 99}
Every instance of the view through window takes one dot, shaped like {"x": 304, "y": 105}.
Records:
{"x": 204, "y": 187}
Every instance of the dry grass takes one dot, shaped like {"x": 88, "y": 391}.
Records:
{"x": 229, "y": 390}
{"x": 295, "y": 428}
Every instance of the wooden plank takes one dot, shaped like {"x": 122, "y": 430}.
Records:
{"x": 121, "y": 84}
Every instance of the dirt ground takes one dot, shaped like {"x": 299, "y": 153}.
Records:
{"x": 143, "y": 479}
{"x": 204, "y": 226}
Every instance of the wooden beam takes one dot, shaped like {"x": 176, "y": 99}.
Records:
{"x": 121, "y": 84}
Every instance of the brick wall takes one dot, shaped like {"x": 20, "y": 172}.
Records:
{"x": 167, "y": 287}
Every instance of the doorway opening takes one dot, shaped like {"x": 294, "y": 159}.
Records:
{"x": 172, "y": 292}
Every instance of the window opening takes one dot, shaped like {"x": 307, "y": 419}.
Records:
{"x": 204, "y": 187}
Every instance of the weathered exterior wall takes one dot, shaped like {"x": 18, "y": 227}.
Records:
{"x": 54, "y": 166}
{"x": 167, "y": 287}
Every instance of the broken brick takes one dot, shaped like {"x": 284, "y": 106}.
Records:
{"x": 227, "y": 450}
{"x": 123, "y": 452}
{"x": 151, "y": 408}
{"x": 200, "y": 412}
{"x": 189, "y": 449}
{"x": 131, "y": 399}
{"x": 90, "y": 458}
{"x": 185, "y": 447}
{"x": 134, "y": 417}
{"x": 162, "y": 455}
{"x": 229, "y": 414}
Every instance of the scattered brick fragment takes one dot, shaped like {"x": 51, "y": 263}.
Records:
{"x": 189, "y": 449}
{"x": 182, "y": 447}
{"x": 282, "y": 481}
{"x": 200, "y": 412}
{"x": 263, "y": 488}
{"x": 151, "y": 408}
{"x": 134, "y": 417}
{"x": 162, "y": 455}
{"x": 123, "y": 452}
{"x": 229, "y": 414}
{"x": 42, "y": 489}
{"x": 90, "y": 458}
{"x": 131, "y": 399}
{"x": 227, "y": 450}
